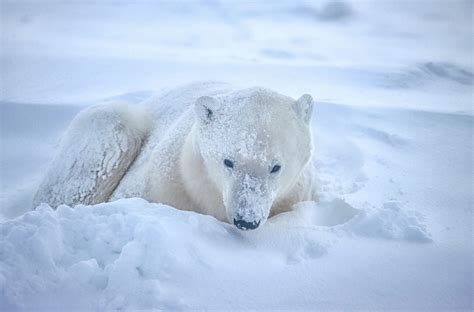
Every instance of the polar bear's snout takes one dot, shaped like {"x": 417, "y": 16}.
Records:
{"x": 248, "y": 204}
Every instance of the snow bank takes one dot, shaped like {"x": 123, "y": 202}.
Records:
{"x": 131, "y": 254}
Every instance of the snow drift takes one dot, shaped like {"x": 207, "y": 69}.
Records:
{"x": 131, "y": 254}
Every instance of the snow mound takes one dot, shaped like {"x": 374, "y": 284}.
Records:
{"x": 391, "y": 222}
{"x": 131, "y": 254}
{"x": 388, "y": 222}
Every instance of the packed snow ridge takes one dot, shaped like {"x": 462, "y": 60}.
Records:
{"x": 131, "y": 254}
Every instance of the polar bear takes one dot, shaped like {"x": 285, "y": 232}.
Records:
{"x": 238, "y": 155}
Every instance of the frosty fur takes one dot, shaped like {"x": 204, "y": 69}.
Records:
{"x": 171, "y": 149}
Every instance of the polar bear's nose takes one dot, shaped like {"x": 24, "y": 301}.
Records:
{"x": 244, "y": 225}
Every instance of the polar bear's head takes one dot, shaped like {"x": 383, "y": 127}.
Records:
{"x": 254, "y": 144}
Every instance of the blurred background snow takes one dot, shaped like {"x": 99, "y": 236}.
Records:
{"x": 356, "y": 52}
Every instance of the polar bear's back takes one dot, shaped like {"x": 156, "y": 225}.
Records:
{"x": 172, "y": 115}
{"x": 166, "y": 108}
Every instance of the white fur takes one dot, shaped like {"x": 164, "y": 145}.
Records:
{"x": 95, "y": 153}
{"x": 114, "y": 151}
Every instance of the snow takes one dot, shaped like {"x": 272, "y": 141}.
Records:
{"x": 131, "y": 254}
{"x": 392, "y": 134}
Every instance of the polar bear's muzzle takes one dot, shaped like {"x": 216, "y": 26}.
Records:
{"x": 249, "y": 203}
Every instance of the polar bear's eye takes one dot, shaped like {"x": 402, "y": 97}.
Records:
{"x": 275, "y": 168}
{"x": 228, "y": 163}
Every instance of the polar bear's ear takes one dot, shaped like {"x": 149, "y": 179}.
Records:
{"x": 304, "y": 107}
{"x": 205, "y": 107}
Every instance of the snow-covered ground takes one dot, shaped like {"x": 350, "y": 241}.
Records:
{"x": 393, "y": 136}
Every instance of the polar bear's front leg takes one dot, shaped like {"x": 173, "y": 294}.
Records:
{"x": 95, "y": 153}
